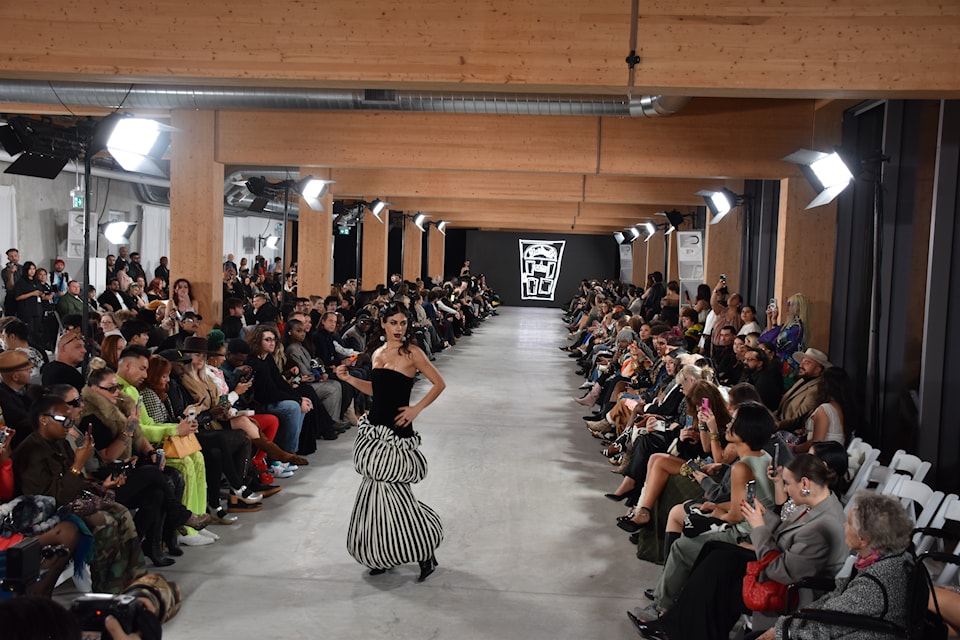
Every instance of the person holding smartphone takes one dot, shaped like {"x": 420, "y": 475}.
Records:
{"x": 112, "y": 419}
{"x": 809, "y": 539}
{"x": 725, "y": 522}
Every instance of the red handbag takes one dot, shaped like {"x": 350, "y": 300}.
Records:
{"x": 763, "y": 596}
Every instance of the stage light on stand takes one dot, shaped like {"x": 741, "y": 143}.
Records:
{"x": 720, "y": 202}
{"x": 619, "y": 237}
{"x": 118, "y": 232}
{"x": 271, "y": 242}
{"x": 137, "y": 144}
{"x": 634, "y": 233}
{"x": 311, "y": 190}
{"x": 827, "y": 173}
{"x": 442, "y": 227}
{"x": 651, "y": 229}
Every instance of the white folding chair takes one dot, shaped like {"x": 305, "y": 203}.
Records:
{"x": 931, "y": 538}
{"x": 903, "y": 463}
{"x": 861, "y": 462}
{"x": 917, "y": 497}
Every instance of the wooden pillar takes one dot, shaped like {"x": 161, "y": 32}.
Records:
{"x": 413, "y": 250}
{"x": 654, "y": 255}
{"x": 315, "y": 243}
{"x": 803, "y": 266}
{"x": 639, "y": 264}
{"x": 437, "y": 253}
{"x": 673, "y": 260}
{"x": 723, "y": 242}
{"x": 196, "y": 210}
{"x": 374, "y": 252}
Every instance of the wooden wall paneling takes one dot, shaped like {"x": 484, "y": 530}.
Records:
{"x": 799, "y": 47}
{"x": 710, "y": 138}
{"x": 436, "y": 254}
{"x": 412, "y": 251}
{"x": 373, "y": 253}
{"x": 677, "y": 192}
{"x": 805, "y": 265}
{"x": 655, "y": 255}
{"x": 478, "y": 185}
{"x": 196, "y": 211}
{"x": 315, "y": 242}
{"x": 409, "y": 140}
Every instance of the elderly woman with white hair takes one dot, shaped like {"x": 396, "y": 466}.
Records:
{"x": 878, "y": 531}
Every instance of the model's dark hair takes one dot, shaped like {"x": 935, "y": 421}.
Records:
{"x": 743, "y": 392}
{"x": 378, "y": 336}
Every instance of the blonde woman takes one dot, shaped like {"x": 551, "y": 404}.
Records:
{"x": 791, "y": 336}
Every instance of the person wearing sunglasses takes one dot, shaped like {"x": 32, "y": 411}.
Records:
{"x": 46, "y": 465}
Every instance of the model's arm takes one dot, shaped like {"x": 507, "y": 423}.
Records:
{"x": 364, "y": 386}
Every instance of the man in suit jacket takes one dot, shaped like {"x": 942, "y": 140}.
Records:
{"x": 70, "y": 302}
{"x": 803, "y": 397}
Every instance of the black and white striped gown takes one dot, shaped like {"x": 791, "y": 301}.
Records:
{"x": 389, "y": 526}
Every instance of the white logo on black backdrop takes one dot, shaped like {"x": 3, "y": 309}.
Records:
{"x": 539, "y": 268}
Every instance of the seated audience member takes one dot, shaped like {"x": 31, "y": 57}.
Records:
{"x": 692, "y": 328}
{"x": 57, "y": 533}
{"x": 749, "y": 432}
{"x": 263, "y": 310}
{"x": 155, "y": 290}
{"x": 111, "y": 348}
{"x": 273, "y": 394}
{"x": 791, "y": 336}
{"x": 183, "y": 299}
{"x": 63, "y": 369}
{"x": 113, "y": 299}
{"x": 70, "y": 302}
{"x": 748, "y": 316}
{"x": 802, "y": 398}
{"x": 189, "y": 324}
{"x": 45, "y": 465}
{"x": 109, "y": 324}
{"x": 328, "y": 391}
{"x": 131, "y": 377}
{"x": 724, "y": 356}
{"x": 114, "y": 420}
{"x": 136, "y": 332}
{"x": 767, "y": 379}
{"x": 15, "y": 335}
{"x": 15, "y": 370}
{"x": 833, "y": 418}
{"x": 809, "y": 538}
{"x": 878, "y": 531}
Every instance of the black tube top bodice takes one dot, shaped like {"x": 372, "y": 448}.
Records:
{"x": 391, "y": 390}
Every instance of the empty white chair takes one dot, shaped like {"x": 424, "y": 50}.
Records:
{"x": 903, "y": 463}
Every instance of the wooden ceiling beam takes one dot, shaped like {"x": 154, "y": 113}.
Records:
{"x": 746, "y": 48}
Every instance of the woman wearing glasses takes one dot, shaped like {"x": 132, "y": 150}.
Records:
{"x": 114, "y": 420}
{"x": 45, "y": 465}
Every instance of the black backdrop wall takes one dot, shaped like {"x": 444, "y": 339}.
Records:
{"x": 497, "y": 256}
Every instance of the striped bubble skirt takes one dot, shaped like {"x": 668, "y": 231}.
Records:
{"x": 389, "y": 526}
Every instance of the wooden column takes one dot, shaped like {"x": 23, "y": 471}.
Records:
{"x": 654, "y": 255}
{"x": 374, "y": 252}
{"x": 723, "y": 246}
{"x": 437, "y": 253}
{"x": 803, "y": 265}
{"x": 315, "y": 243}
{"x": 196, "y": 210}
{"x": 639, "y": 264}
{"x": 412, "y": 251}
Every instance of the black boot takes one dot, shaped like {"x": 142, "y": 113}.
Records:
{"x": 152, "y": 550}
{"x": 427, "y": 567}
{"x": 173, "y": 545}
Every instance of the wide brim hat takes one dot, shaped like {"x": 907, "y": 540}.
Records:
{"x": 174, "y": 355}
{"x": 195, "y": 344}
{"x": 814, "y": 354}
{"x": 14, "y": 360}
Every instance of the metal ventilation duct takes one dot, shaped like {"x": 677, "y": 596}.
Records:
{"x": 112, "y": 96}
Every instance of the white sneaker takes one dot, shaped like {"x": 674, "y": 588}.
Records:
{"x": 286, "y": 465}
{"x": 209, "y": 534}
{"x": 279, "y": 472}
{"x": 195, "y": 540}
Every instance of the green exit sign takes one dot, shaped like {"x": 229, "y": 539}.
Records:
{"x": 78, "y": 202}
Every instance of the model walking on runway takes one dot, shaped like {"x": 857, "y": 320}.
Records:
{"x": 389, "y": 526}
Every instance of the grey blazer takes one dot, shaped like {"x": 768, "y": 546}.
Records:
{"x": 812, "y": 545}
